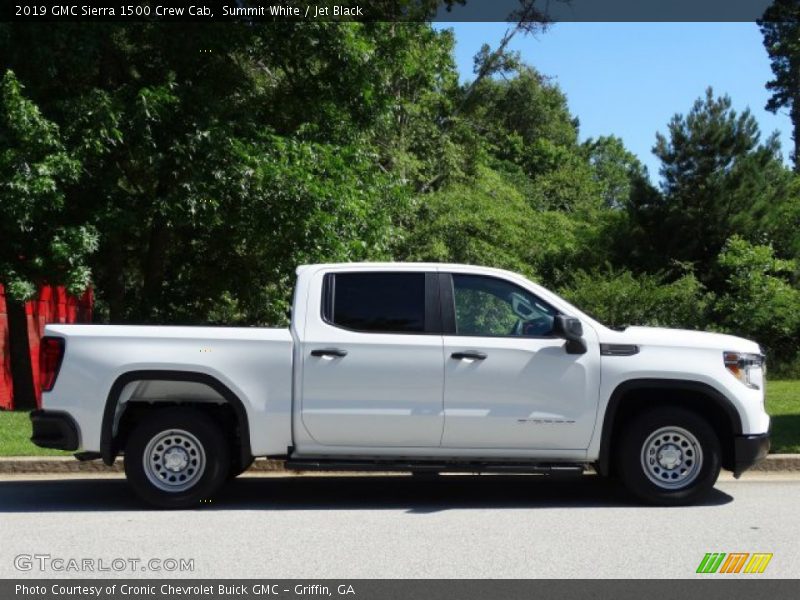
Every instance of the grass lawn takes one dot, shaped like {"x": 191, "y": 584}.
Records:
{"x": 783, "y": 404}
{"x": 15, "y": 433}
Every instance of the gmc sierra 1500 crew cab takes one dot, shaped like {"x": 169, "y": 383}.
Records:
{"x": 407, "y": 367}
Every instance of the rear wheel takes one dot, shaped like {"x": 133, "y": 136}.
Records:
{"x": 176, "y": 458}
{"x": 669, "y": 456}
{"x": 238, "y": 466}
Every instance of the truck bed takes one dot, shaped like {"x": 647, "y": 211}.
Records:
{"x": 254, "y": 363}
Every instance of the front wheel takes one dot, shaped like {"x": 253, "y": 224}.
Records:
{"x": 176, "y": 458}
{"x": 669, "y": 456}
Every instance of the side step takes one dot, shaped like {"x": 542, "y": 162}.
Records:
{"x": 294, "y": 464}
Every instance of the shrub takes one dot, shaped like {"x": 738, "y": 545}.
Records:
{"x": 619, "y": 297}
{"x": 759, "y": 301}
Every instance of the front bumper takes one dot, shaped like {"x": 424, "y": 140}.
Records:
{"x": 749, "y": 450}
{"x": 54, "y": 430}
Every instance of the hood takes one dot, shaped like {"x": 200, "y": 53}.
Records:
{"x": 685, "y": 338}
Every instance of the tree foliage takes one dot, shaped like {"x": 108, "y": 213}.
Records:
{"x": 189, "y": 185}
{"x": 718, "y": 180}
{"x": 759, "y": 301}
{"x": 781, "y": 29}
{"x": 274, "y": 128}
{"x": 617, "y": 172}
{"x": 489, "y": 221}
{"x": 620, "y": 298}
{"x": 41, "y": 240}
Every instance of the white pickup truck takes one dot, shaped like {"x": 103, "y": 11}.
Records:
{"x": 407, "y": 367}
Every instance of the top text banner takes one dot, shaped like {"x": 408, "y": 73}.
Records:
{"x": 260, "y": 11}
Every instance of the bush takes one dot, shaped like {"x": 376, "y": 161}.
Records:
{"x": 619, "y": 298}
{"x": 783, "y": 368}
{"x": 759, "y": 301}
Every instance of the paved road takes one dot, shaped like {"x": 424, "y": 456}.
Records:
{"x": 350, "y": 527}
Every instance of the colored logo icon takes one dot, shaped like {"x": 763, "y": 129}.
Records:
{"x": 734, "y": 562}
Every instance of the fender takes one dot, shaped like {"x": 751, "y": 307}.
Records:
{"x": 623, "y": 388}
{"x": 107, "y": 448}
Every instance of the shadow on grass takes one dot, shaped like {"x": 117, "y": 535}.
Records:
{"x": 415, "y": 496}
{"x": 785, "y": 433}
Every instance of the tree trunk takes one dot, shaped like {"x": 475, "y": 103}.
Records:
{"x": 114, "y": 281}
{"x": 154, "y": 268}
{"x": 795, "y": 115}
{"x": 20, "y": 351}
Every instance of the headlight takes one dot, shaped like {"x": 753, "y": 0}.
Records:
{"x": 746, "y": 367}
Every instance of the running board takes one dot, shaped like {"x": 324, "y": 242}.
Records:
{"x": 293, "y": 464}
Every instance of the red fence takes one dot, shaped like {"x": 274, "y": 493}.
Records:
{"x": 6, "y": 389}
{"x": 52, "y": 305}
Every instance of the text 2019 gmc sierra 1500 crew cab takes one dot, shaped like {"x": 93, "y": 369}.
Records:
{"x": 414, "y": 367}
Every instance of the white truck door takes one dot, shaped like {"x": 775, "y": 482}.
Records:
{"x": 372, "y": 361}
{"x": 509, "y": 384}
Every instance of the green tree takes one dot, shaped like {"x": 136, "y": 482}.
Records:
{"x": 782, "y": 225}
{"x": 718, "y": 179}
{"x": 760, "y": 301}
{"x": 617, "y": 170}
{"x": 283, "y": 202}
{"x": 780, "y": 27}
{"x": 409, "y": 136}
{"x": 525, "y": 120}
{"x": 40, "y": 241}
{"x": 619, "y": 298}
{"x": 488, "y": 221}
{"x": 173, "y": 143}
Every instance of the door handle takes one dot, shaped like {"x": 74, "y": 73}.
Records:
{"x": 468, "y": 355}
{"x": 329, "y": 352}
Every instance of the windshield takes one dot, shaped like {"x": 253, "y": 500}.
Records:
{"x": 574, "y": 311}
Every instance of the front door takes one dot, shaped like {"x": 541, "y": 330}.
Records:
{"x": 509, "y": 384}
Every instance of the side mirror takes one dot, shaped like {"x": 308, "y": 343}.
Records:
{"x": 570, "y": 329}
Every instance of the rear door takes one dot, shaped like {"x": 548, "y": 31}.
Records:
{"x": 509, "y": 383}
{"x": 372, "y": 361}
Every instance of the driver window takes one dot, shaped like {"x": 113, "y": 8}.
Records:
{"x": 486, "y": 306}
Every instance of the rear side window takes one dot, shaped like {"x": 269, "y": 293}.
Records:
{"x": 376, "y": 302}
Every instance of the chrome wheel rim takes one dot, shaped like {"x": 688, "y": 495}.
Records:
{"x": 672, "y": 457}
{"x": 174, "y": 460}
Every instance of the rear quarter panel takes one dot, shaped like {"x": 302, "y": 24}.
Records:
{"x": 254, "y": 363}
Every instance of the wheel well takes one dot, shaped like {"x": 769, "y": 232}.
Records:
{"x": 137, "y": 410}
{"x": 631, "y": 401}
{"x": 218, "y": 401}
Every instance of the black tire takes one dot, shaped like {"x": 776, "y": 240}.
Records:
{"x": 237, "y": 467}
{"x": 189, "y": 435}
{"x": 658, "y": 445}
